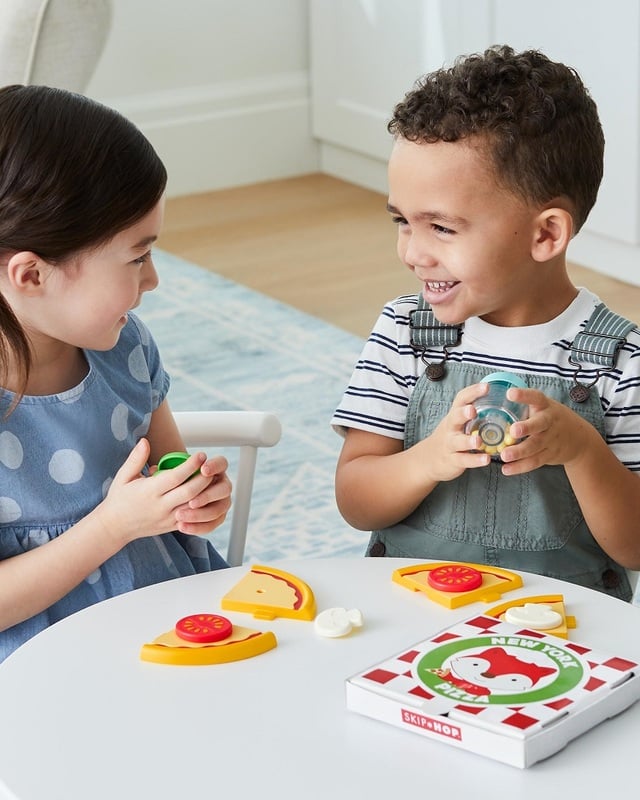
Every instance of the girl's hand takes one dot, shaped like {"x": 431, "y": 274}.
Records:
{"x": 554, "y": 434}
{"x": 207, "y": 510}
{"x": 137, "y": 506}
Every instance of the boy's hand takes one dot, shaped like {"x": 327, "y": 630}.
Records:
{"x": 450, "y": 442}
{"x": 554, "y": 434}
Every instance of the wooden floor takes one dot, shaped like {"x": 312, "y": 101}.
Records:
{"x": 322, "y": 245}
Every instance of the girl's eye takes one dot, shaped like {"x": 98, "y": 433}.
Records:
{"x": 143, "y": 259}
{"x": 398, "y": 220}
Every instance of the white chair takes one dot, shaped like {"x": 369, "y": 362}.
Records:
{"x": 246, "y": 430}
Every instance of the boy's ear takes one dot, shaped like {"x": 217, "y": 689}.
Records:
{"x": 26, "y": 272}
{"x": 552, "y": 233}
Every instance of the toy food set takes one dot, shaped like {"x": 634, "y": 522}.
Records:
{"x": 541, "y": 612}
{"x": 496, "y": 414}
{"x": 268, "y": 593}
{"x": 201, "y": 639}
{"x": 454, "y": 584}
{"x": 332, "y": 623}
{"x": 497, "y": 689}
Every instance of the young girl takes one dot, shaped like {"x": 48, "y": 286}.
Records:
{"x": 83, "y": 407}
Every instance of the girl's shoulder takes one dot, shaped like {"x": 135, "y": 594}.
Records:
{"x": 136, "y": 331}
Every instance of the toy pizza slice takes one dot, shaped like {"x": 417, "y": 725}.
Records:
{"x": 454, "y": 583}
{"x": 268, "y": 593}
{"x": 201, "y": 639}
{"x": 541, "y": 612}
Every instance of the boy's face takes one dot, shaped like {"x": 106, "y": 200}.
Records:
{"x": 467, "y": 240}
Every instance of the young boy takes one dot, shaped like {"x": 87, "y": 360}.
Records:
{"x": 495, "y": 166}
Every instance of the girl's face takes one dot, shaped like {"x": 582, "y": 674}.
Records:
{"x": 468, "y": 241}
{"x": 91, "y": 297}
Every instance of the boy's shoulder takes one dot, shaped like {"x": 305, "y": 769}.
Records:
{"x": 401, "y": 307}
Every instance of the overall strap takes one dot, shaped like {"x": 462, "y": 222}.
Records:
{"x": 428, "y": 332}
{"x": 598, "y": 343}
{"x": 602, "y": 337}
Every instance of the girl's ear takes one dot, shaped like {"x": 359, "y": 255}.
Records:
{"x": 552, "y": 234}
{"x": 26, "y": 272}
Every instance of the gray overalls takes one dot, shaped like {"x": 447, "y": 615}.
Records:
{"x": 528, "y": 522}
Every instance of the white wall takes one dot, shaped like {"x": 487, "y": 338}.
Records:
{"x": 223, "y": 88}
{"x": 362, "y": 51}
{"x": 220, "y": 88}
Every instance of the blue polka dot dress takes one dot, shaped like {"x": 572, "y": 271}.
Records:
{"x": 58, "y": 456}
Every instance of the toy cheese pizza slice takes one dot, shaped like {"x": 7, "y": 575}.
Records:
{"x": 545, "y": 612}
{"x": 455, "y": 584}
{"x": 201, "y": 639}
{"x": 268, "y": 593}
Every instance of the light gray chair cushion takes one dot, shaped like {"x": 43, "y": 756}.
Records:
{"x": 52, "y": 42}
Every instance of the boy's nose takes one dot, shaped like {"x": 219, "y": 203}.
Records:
{"x": 417, "y": 255}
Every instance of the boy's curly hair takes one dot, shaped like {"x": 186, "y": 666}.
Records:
{"x": 535, "y": 117}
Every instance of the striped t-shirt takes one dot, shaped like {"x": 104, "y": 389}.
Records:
{"x": 378, "y": 394}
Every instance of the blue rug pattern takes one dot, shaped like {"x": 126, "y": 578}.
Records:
{"x": 227, "y": 347}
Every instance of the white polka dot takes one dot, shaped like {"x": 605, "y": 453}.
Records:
{"x": 94, "y": 577}
{"x": 138, "y": 364}
{"x": 37, "y": 536}
{"x": 9, "y": 510}
{"x": 11, "y": 453}
{"x": 119, "y": 422}
{"x": 105, "y": 486}
{"x": 66, "y": 466}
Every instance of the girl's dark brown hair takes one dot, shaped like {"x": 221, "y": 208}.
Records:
{"x": 73, "y": 174}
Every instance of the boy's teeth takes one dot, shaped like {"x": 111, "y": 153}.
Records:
{"x": 440, "y": 286}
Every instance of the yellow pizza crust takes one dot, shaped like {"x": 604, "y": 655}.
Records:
{"x": 495, "y": 582}
{"x": 169, "y": 648}
{"x": 268, "y": 593}
{"x": 554, "y": 601}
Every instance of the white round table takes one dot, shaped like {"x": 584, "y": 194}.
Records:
{"x": 83, "y": 717}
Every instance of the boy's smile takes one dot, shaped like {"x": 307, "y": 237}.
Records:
{"x": 469, "y": 241}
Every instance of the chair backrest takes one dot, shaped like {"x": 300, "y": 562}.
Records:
{"x": 246, "y": 430}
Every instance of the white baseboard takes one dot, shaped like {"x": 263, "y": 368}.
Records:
{"x": 218, "y": 136}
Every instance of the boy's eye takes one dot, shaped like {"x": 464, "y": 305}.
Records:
{"x": 398, "y": 220}
{"x": 442, "y": 229}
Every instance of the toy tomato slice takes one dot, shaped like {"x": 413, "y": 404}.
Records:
{"x": 454, "y": 578}
{"x": 204, "y": 628}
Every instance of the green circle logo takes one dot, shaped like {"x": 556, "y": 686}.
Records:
{"x": 500, "y": 670}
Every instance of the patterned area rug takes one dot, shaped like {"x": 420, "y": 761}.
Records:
{"x": 228, "y": 347}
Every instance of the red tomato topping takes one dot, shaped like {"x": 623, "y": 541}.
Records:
{"x": 204, "y": 628}
{"x": 454, "y": 578}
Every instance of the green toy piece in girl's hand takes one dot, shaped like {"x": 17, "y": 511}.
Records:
{"x": 173, "y": 460}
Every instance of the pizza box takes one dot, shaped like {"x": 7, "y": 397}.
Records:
{"x": 513, "y": 694}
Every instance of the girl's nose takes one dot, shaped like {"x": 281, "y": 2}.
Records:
{"x": 149, "y": 278}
